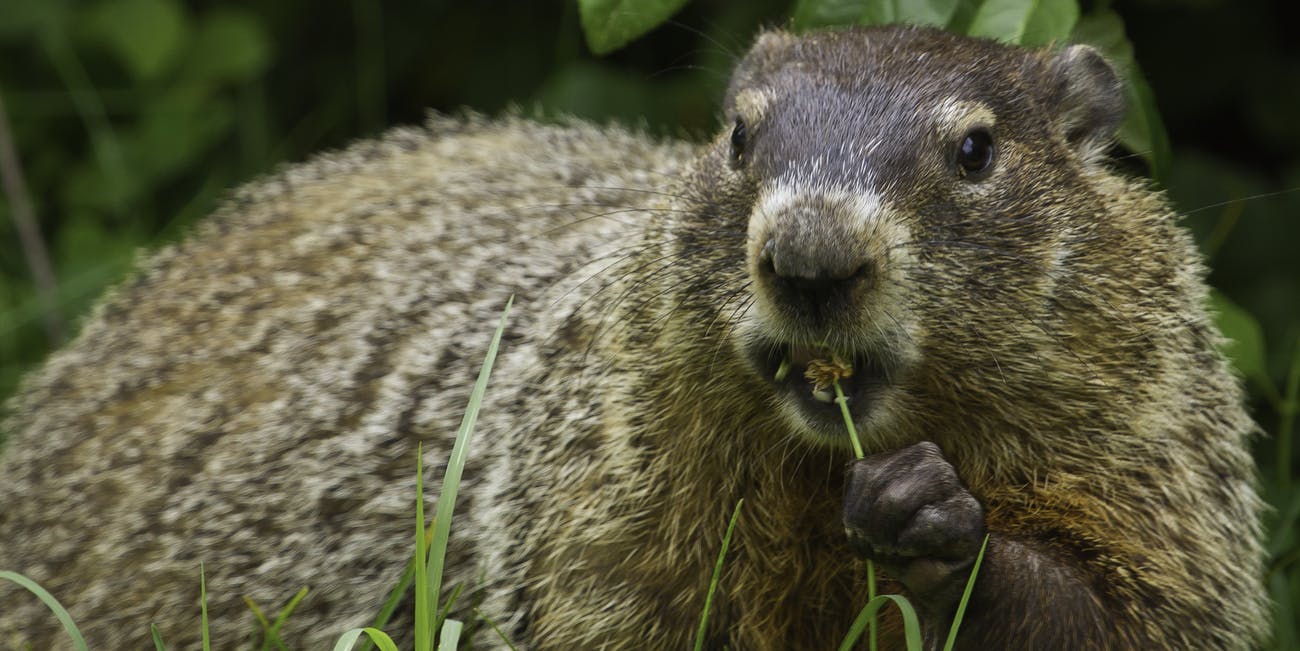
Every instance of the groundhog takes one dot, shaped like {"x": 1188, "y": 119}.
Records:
{"x": 1024, "y": 331}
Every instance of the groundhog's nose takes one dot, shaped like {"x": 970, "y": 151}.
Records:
{"x": 817, "y": 278}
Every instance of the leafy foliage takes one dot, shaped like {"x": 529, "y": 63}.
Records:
{"x": 1032, "y": 23}
{"x": 611, "y": 24}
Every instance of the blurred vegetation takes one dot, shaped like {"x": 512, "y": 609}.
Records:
{"x": 132, "y": 117}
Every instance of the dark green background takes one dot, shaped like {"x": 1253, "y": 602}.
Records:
{"x": 133, "y": 116}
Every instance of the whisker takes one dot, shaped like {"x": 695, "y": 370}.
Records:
{"x": 1253, "y": 197}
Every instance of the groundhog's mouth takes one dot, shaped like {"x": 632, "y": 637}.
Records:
{"x": 803, "y": 375}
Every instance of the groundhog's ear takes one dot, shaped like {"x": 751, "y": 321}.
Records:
{"x": 1087, "y": 95}
{"x": 767, "y": 54}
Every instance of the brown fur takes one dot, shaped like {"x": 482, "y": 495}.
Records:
{"x": 252, "y": 399}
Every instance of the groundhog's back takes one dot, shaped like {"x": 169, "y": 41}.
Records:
{"x": 253, "y": 393}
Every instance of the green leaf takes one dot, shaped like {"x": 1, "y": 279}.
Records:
{"x": 1246, "y": 339}
{"x": 1025, "y": 22}
{"x": 1052, "y": 21}
{"x": 1004, "y": 20}
{"x": 915, "y": 12}
{"x": 611, "y": 24}
{"x": 145, "y": 35}
{"x": 1104, "y": 30}
{"x": 230, "y": 46}
{"x": 810, "y": 14}
{"x": 1142, "y": 131}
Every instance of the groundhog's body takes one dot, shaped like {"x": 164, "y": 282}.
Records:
{"x": 253, "y": 398}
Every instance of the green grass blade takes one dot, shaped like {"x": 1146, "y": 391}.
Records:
{"x": 848, "y": 419}
{"x": 156, "y": 635}
{"x": 497, "y": 629}
{"x": 375, "y": 635}
{"x": 394, "y": 597}
{"x": 288, "y": 610}
{"x": 271, "y": 630}
{"x": 872, "y": 642}
{"x": 263, "y": 624}
{"x": 423, "y": 620}
{"x": 911, "y": 625}
{"x": 843, "y": 402}
{"x": 451, "y": 602}
{"x": 717, "y": 576}
{"x": 965, "y": 597}
{"x": 450, "y": 637}
{"x": 203, "y": 609}
{"x": 455, "y": 465}
{"x": 78, "y": 642}
{"x": 398, "y": 592}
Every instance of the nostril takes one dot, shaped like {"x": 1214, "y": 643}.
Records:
{"x": 826, "y": 276}
{"x": 864, "y": 272}
{"x": 767, "y": 256}
{"x": 815, "y": 276}
{"x": 820, "y": 290}
{"x": 817, "y": 285}
{"x": 846, "y": 273}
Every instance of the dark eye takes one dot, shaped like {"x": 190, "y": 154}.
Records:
{"x": 975, "y": 156}
{"x": 738, "y": 140}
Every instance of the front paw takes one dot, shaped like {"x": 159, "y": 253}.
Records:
{"x": 908, "y": 511}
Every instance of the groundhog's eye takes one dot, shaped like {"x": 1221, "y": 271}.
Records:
{"x": 738, "y": 139}
{"x": 975, "y": 156}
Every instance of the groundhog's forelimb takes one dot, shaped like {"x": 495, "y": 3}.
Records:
{"x": 908, "y": 511}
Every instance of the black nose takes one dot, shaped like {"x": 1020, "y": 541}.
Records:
{"x": 817, "y": 279}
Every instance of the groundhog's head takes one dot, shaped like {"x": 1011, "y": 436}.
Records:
{"x": 909, "y": 199}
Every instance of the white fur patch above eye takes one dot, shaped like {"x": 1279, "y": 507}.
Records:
{"x": 953, "y": 116}
{"x": 752, "y": 104}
